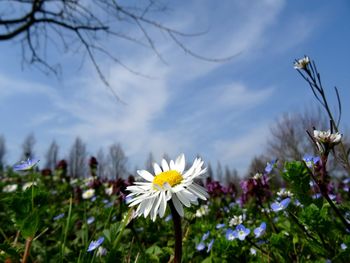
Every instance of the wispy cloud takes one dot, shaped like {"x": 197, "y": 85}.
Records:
{"x": 176, "y": 110}
{"x": 238, "y": 152}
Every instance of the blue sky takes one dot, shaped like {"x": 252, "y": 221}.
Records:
{"x": 221, "y": 111}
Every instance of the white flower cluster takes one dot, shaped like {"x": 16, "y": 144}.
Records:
{"x": 88, "y": 194}
{"x": 236, "y": 220}
{"x": 27, "y": 185}
{"x": 327, "y": 137}
{"x": 302, "y": 63}
{"x": 108, "y": 190}
{"x": 283, "y": 193}
{"x": 257, "y": 176}
{"x": 202, "y": 211}
{"x": 10, "y": 188}
{"x": 265, "y": 210}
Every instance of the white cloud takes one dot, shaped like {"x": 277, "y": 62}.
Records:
{"x": 238, "y": 152}
{"x": 158, "y": 116}
{"x": 11, "y": 87}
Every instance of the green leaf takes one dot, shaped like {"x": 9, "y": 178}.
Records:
{"x": 30, "y": 224}
{"x": 9, "y": 250}
{"x": 107, "y": 234}
{"x": 295, "y": 239}
{"x": 207, "y": 260}
{"x": 154, "y": 250}
{"x": 297, "y": 176}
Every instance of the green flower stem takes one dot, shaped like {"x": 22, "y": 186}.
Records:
{"x": 42, "y": 232}
{"x": 16, "y": 237}
{"x": 136, "y": 237}
{"x": 315, "y": 84}
{"x": 3, "y": 234}
{"x": 27, "y": 249}
{"x": 123, "y": 225}
{"x": 325, "y": 195}
{"x": 178, "y": 233}
{"x": 295, "y": 219}
{"x": 67, "y": 227}
{"x": 256, "y": 246}
{"x": 108, "y": 218}
{"x": 274, "y": 229}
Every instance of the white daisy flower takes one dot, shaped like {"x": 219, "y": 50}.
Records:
{"x": 236, "y": 220}
{"x": 171, "y": 181}
{"x": 283, "y": 193}
{"x": 327, "y": 137}
{"x": 109, "y": 190}
{"x": 27, "y": 185}
{"x": 302, "y": 63}
{"x": 10, "y": 188}
{"x": 88, "y": 194}
{"x": 202, "y": 211}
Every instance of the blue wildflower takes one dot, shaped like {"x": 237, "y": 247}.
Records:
{"x": 270, "y": 166}
{"x": 252, "y": 251}
{"x": 205, "y": 236}
{"x": 210, "y": 245}
{"x": 279, "y": 206}
{"x": 241, "y": 232}
{"x": 200, "y": 246}
{"x": 168, "y": 218}
{"x": 95, "y": 244}
{"x": 316, "y": 196}
{"x": 229, "y": 234}
{"x": 297, "y": 203}
{"x": 101, "y": 251}
{"x": 346, "y": 180}
{"x": 58, "y": 217}
{"x": 108, "y": 205}
{"x": 311, "y": 160}
{"x": 343, "y": 246}
{"x": 26, "y": 165}
{"x": 259, "y": 231}
{"x": 128, "y": 199}
{"x": 332, "y": 196}
{"x": 90, "y": 220}
{"x": 218, "y": 226}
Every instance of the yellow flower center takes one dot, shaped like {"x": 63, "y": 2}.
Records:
{"x": 171, "y": 177}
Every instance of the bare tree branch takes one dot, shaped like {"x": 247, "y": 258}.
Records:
{"x": 64, "y": 25}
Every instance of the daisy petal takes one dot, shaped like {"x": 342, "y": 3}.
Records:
{"x": 183, "y": 199}
{"x": 149, "y": 206}
{"x": 155, "y": 208}
{"x": 157, "y": 169}
{"x": 180, "y": 163}
{"x": 146, "y": 175}
{"x": 177, "y": 205}
{"x": 162, "y": 206}
{"x": 172, "y": 165}
{"x": 165, "y": 165}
